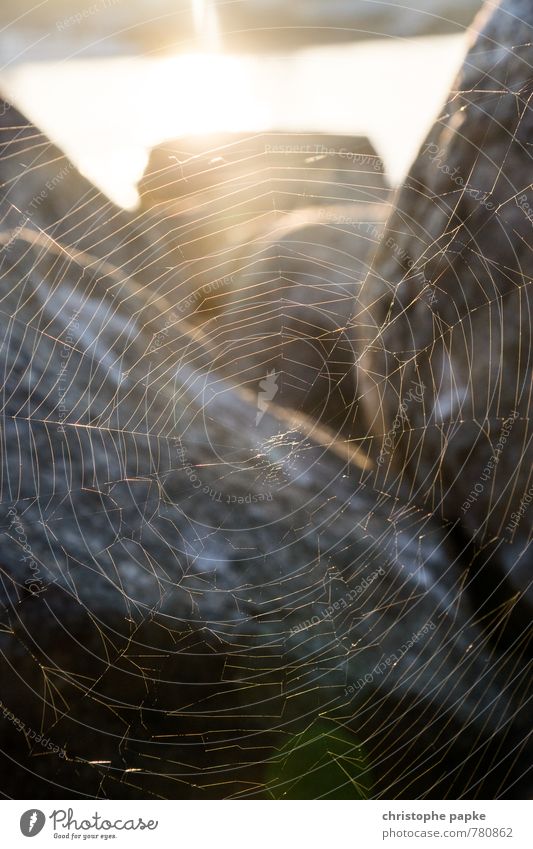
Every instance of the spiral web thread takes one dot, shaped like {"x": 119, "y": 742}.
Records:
{"x": 182, "y": 629}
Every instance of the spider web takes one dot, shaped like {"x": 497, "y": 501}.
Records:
{"x": 212, "y": 587}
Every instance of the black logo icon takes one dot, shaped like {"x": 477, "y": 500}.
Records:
{"x": 32, "y": 822}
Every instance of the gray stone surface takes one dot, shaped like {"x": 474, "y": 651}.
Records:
{"x": 291, "y": 310}
{"x": 41, "y": 189}
{"x": 170, "y": 571}
{"x": 447, "y": 304}
{"x": 275, "y": 231}
{"x": 219, "y": 195}
{"x": 182, "y": 580}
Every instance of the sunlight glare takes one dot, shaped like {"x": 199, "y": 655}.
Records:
{"x": 119, "y": 108}
{"x": 215, "y": 94}
{"x": 206, "y": 25}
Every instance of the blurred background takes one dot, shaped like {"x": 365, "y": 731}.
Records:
{"x": 109, "y": 79}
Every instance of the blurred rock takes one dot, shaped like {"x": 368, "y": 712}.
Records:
{"x": 291, "y": 310}
{"x": 447, "y": 306}
{"x": 190, "y": 577}
{"x": 265, "y": 171}
{"x": 40, "y": 188}
{"x": 184, "y": 585}
{"x": 217, "y": 193}
{"x": 256, "y": 237}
